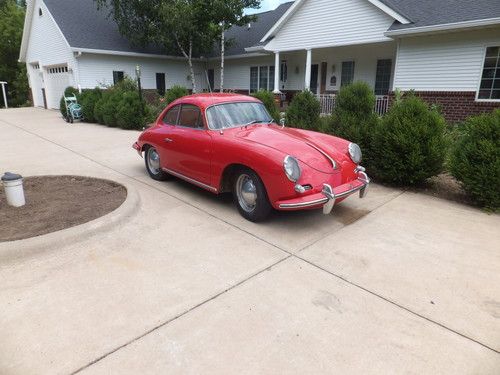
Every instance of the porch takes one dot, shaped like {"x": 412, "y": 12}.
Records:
{"x": 324, "y": 71}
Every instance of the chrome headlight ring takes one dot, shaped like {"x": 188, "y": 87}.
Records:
{"x": 355, "y": 153}
{"x": 292, "y": 168}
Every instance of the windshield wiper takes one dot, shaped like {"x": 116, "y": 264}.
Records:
{"x": 258, "y": 122}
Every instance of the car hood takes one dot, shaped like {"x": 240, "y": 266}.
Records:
{"x": 291, "y": 142}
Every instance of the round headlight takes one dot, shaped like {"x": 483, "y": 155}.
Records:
{"x": 292, "y": 169}
{"x": 355, "y": 153}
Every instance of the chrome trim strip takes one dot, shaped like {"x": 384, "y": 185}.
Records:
{"x": 304, "y": 204}
{"x": 334, "y": 163}
{"x": 189, "y": 179}
{"x": 349, "y": 192}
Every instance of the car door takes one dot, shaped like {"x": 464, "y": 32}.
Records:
{"x": 189, "y": 148}
{"x": 163, "y": 136}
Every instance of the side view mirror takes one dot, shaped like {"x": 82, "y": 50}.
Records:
{"x": 282, "y": 119}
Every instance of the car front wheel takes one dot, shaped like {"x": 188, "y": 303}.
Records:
{"x": 153, "y": 166}
{"x": 250, "y": 196}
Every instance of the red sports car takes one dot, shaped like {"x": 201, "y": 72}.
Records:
{"x": 230, "y": 143}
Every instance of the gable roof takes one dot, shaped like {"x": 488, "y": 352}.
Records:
{"x": 413, "y": 15}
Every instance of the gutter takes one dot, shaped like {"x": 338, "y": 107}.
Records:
{"x": 443, "y": 27}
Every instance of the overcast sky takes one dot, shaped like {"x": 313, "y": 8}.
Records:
{"x": 267, "y": 5}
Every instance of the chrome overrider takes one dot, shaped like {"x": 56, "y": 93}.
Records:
{"x": 330, "y": 197}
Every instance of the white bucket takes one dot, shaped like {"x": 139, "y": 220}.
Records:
{"x": 14, "y": 192}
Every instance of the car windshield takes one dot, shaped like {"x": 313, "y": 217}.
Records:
{"x": 230, "y": 115}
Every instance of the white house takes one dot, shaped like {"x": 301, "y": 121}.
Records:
{"x": 448, "y": 51}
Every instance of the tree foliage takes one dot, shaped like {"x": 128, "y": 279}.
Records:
{"x": 11, "y": 71}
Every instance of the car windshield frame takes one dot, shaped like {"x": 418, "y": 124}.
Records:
{"x": 216, "y": 107}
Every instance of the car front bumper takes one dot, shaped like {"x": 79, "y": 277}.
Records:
{"x": 329, "y": 196}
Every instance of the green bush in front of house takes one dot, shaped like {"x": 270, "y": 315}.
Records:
{"x": 267, "y": 97}
{"x": 475, "y": 159}
{"x": 408, "y": 145}
{"x": 88, "y": 100}
{"x": 68, "y": 91}
{"x": 354, "y": 118}
{"x": 129, "y": 113}
{"x": 110, "y": 107}
{"x": 304, "y": 111}
{"x": 175, "y": 92}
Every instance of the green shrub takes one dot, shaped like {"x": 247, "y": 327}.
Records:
{"x": 126, "y": 84}
{"x": 409, "y": 144}
{"x": 304, "y": 111}
{"x": 98, "y": 108}
{"x": 68, "y": 91}
{"x": 475, "y": 159}
{"x": 88, "y": 100}
{"x": 110, "y": 107}
{"x": 129, "y": 112}
{"x": 354, "y": 118}
{"x": 175, "y": 92}
{"x": 267, "y": 97}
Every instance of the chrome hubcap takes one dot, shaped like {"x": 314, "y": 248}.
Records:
{"x": 153, "y": 161}
{"x": 246, "y": 192}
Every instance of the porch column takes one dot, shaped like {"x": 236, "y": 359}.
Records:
{"x": 307, "y": 74}
{"x": 276, "y": 72}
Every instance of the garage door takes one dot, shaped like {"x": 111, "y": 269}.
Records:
{"x": 58, "y": 78}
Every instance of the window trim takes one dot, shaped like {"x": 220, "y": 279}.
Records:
{"x": 485, "y": 47}
{"x": 189, "y": 127}
{"x": 268, "y": 88}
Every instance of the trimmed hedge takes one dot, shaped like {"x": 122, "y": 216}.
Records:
{"x": 88, "y": 100}
{"x": 267, "y": 97}
{"x": 304, "y": 111}
{"x": 475, "y": 159}
{"x": 129, "y": 114}
{"x": 175, "y": 92}
{"x": 354, "y": 118}
{"x": 409, "y": 144}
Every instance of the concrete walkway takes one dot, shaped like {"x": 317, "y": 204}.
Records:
{"x": 397, "y": 283}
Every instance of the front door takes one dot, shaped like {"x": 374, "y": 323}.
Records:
{"x": 314, "y": 79}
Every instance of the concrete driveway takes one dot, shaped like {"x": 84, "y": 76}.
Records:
{"x": 397, "y": 283}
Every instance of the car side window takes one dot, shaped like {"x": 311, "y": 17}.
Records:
{"x": 171, "y": 116}
{"x": 190, "y": 116}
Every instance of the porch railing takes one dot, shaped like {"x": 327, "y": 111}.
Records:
{"x": 328, "y": 102}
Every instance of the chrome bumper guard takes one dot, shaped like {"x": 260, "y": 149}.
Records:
{"x": 332, "y": 197}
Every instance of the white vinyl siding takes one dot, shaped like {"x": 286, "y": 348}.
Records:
{"x": 446, "y": 62}
{"x": 237, "y": 71}
{"x": 97, "y": 70}
{"x": 322, "y": 23}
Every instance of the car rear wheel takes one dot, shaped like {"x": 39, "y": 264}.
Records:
{"x": 153, "y": 166}
{"x": 250, "y": 196}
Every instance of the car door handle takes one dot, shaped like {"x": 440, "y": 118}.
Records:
{"x": 168, "y": 140}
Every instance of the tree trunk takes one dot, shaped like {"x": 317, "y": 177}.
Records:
{"x": 222, "y": 52}
{"x": 191, "y": 69}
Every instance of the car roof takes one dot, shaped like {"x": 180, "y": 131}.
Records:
{"x": 208, "y": 99}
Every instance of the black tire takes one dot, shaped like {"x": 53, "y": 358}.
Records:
{"x": 154, "y": 171}
{"x": 259, "y": 208}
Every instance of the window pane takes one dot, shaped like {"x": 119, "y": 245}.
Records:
{"x": 383, "y": 77}
{"x": 490, "y": 62}
{"x": 263, "y": 78}
{"x": 495, "y": 94}
{"x": 486, "y": 84}
{"x": 347, "y": 76}
{"x": 271, "y": 78}
{"x": 171, "y": 116}
{"x": 484, "y": 94}
{"x": 488, "y": 73}
{"x": 190, "y": 116}
{"x": 492, "y": 51}
{"x": 117, "y": 76}
{"x": 254, "y": 79}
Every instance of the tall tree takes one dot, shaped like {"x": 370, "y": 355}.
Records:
{"x": 11, "y": 71}
{"x": 224, "y": 15}
{"x": 174, "y": 25}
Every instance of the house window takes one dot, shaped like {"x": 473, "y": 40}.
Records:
{"x": 261, "y": 78}
{"x": 383, "y": 77}
{"x": 489, "y": 88}
{"x": 40, "y": 12}
{"x": 347, "y": 76}
{"x": 254, "y": 79}
{"x": 117, "y": 76}
{"x": 160, "y": 83}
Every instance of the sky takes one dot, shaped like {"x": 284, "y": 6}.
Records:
{"x": 266, "y": 5}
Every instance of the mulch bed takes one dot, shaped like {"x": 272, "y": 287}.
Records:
{"x": 58, "y": 202}
{"x": 444, "y": 186}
